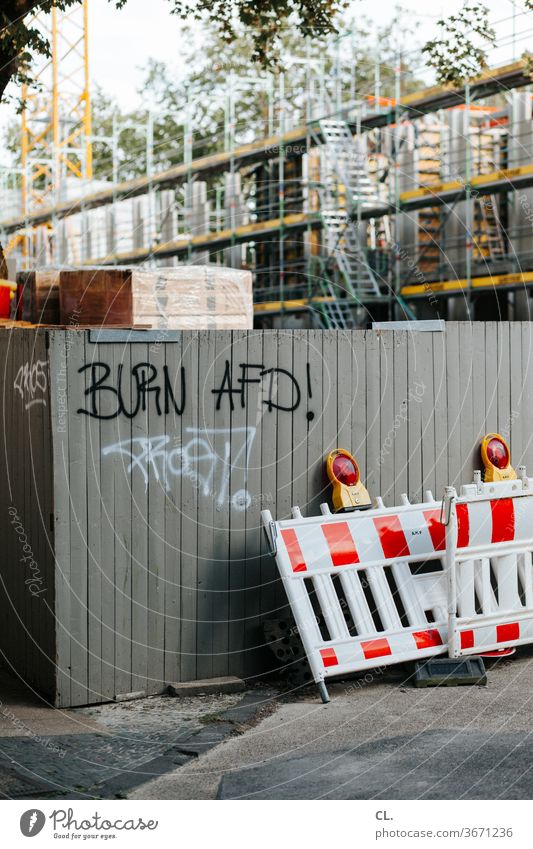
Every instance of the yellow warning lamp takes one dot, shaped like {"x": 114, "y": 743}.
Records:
{"x": 348, "y": 491}
{"x": 496, "y": 458}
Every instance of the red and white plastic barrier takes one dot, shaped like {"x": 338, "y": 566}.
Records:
{"x": 489, "y": 545}
{"x": 356, "y": 593}
{"x": 361, "y": 599}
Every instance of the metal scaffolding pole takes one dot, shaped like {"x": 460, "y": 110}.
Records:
{"x": 281, "y": 193}
{"x": 469, "y": 202}
{"x": 395, "y": 290}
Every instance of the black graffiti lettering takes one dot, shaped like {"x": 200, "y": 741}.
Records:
{"x": 122, "y": 406}
{"x": 271, "y": 404}
{"x": 144, "y": 375}
{"x": 144, "y": 383}
{"x": 97, "y": 386}
{"x": 226, "y": 388}
{"x": 244, "y": 379}
{"x": 169, "y": 393}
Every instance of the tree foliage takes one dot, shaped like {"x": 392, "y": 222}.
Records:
{"x": 204, "y": 92}
{"x": 20, "y": 38}
{"x": 203, "y": 89}
{"x": 459, "y": 51}
{"x": 265, "y": 21}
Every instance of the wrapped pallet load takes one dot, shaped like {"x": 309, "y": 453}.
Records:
{"x": 187, "y": 297}
{"x": 38, "y": 296}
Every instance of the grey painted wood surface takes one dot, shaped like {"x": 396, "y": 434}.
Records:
{"x": 27, "y": 586}
{"x": 162, "y": 571}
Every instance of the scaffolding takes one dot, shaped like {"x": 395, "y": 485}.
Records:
{"x": 346, "y": 204}
{"x": 56, "y": 149}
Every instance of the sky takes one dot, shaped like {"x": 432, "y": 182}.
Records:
{"x": 117, "y": 67}
{"x": 122, "y": 41}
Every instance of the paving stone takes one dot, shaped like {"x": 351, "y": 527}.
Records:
{"x": 15, "y": 785}
{"x": 229, "y": 684}
{"x": 138, "y": 741}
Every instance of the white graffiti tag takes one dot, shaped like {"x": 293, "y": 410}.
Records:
{"x": 31, "y": 382}
{"x": 211, "y": 459}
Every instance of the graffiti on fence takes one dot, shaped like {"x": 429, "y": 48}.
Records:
{"x": 144, "y": 387}
{"x": 210, "y": 458}
{"x": 31, "y": 382}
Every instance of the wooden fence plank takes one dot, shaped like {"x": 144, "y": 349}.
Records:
{"x": 161, "y": 571}
{"x": 123, "y": 548}
{"x": 315, "y": 459}
{"x": 172, "y": 550}
{"x": 454, "y": 404}
{"x": 478, "y": 391}
{"x": 229, "y": 478}
{"x": 466, "y": 397}
{"x": 266, "y": 437}
{"x": 385, "y": 469}
{"x": 157, "y": 495}
{"x": 396, "y": 441}
{"x": 515, "y": 425}
{"x": 139, "y": 527}
{"x": 250, "y": 478}
{"x": 206, "y": 502}
{"x": 424, "y": 394}
{"x": 95, "y": 690}
{"x": 504, "y": 378}
{"x": 62, "y": 522}
{"x": 110, "y": 455}
{"x": 415, "y": 391}
{"x": 525, "y": 410}
{"x": 373, "y": 411}
{"x": 440, "y": 413}
{"x": 189, "y": 492}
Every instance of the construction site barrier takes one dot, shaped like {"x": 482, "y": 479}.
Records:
{"x": 489, "y": 543}
{"x": 366, "y": 588}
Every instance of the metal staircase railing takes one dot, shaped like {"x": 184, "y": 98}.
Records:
{"x": 346, "y": 184}
{"x": 333, "y": 312}
{"x": 345, "y": 278}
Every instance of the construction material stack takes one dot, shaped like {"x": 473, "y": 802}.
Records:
{"x": 38, "y": 296}
{"x": 187, "y": 297}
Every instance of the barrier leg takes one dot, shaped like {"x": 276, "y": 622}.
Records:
{"x": 323, "y": 690}
{"x": 450, "y": 521}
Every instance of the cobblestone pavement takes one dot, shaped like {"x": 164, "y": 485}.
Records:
{"x": 105, "y": 750}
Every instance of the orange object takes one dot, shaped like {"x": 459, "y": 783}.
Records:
{"x": 348, "y": 491}
{"x": 496, "y": 458}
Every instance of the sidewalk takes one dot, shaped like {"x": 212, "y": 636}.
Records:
{"x": 378, "y": 738}
{"x": 105, "y": 751}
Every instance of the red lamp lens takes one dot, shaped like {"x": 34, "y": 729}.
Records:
{"x": 345, "y": 470}
{"x": 498, "y": 454}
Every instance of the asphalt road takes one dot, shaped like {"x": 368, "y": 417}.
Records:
{"x": 378, "y": 738}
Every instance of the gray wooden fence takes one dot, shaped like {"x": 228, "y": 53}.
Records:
{"x": 27, "y": 588}
{"x": 140, "y": 475}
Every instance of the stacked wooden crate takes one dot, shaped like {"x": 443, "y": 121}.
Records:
{"x": 185, "y": 297}
{"x": 38, "y": 296}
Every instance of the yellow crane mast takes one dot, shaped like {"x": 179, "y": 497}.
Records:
{"x": 56, "y": 115}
